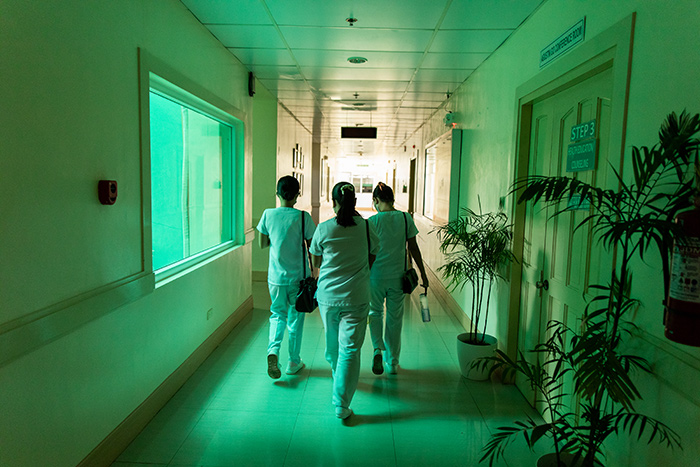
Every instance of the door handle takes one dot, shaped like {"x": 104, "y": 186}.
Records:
{"x": 542, "y": 284}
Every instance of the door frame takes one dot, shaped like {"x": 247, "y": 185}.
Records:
{"x": 611, "y": 48}
{"x": 412, "y": 185}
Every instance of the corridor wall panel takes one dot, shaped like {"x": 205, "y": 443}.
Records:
{"x": 663, "y": 78}
{"x": 265, "y": 150}
{"x": 90, "y": 335}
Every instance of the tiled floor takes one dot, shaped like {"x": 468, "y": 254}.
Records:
{"x": 230, "y": 413}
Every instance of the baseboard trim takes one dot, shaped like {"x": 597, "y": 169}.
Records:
{"x": 119, "y": 439}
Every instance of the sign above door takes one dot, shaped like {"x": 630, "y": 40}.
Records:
{"x": 574, "y": 35}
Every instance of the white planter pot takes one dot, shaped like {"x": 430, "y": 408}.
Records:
{"x": 467, "y": 353}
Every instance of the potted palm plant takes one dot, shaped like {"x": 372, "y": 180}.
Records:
{"x": 576, "y": 438}
{"x": 476, "y": 247}
{"x": 628, "y": 221}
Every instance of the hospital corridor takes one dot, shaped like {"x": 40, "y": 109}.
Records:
{"x": 231, "y": 413}
{"x": 169, "y": 169}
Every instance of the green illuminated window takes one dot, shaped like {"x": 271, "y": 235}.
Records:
{"x": 192, "y": 161}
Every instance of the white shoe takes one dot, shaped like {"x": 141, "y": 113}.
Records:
{"x": 294, "y": 368}
{"x": 343, "y": 412}
{"x": 392, "y": 369}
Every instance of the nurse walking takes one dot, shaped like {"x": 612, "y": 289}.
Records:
{"x": 281, "y": 230}
{"x": 395, "y": 229}
{"x": 344, "y": 248}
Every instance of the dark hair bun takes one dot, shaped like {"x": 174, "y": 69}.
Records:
{"x": 344, "y": 196}
{"x": 383, "y": 192}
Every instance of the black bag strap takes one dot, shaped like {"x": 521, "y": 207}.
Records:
{"x": 405, "y": 255}
{"x": 303, "y": 245}
{"x": 368, "y": 247}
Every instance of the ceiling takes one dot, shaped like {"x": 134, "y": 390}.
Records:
{"x": 418, "y": 52}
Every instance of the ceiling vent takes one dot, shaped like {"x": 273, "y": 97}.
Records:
{"x": 357, "y": 60}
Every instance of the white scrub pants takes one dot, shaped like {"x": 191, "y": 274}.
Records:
{"x": 284, "y": 314}
{"x": 387, "y": 338}
{"x": 345, "y": 334}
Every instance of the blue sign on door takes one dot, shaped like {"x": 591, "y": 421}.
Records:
{"x": 581, "y": 153}
{"x": 581, "y": 156}
{"x": 583, "y": 131}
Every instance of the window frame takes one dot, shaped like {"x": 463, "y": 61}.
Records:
{"x": 452, "y": 157}
{"x": 181, "y": 91}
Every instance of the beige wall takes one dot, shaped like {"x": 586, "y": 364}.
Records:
{"x": 70, "y": 101}
{"x": 289, "y": 134}
{"x": 273, "y": 159}
{"x": 664, "y": 73}
{"x": 264, "y": 168}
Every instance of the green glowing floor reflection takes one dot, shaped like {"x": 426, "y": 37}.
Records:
{"x": 230, "y": 413}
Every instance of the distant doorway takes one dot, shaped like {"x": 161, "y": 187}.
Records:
{"x": 412, "y": 187}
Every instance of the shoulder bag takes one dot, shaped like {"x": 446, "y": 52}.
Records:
{"x": 306, "y": 297}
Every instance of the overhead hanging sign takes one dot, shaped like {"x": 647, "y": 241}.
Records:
{"x": 574, "y": 35}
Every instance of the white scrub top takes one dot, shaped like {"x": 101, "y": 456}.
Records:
{"x": 391, "y": 230}
{"x": 344, "y": 274}
{"x": 283, "y": 226}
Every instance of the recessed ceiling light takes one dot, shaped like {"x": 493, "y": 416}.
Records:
{"x": 335, "y": 98}
{"x": 357, "y": 60}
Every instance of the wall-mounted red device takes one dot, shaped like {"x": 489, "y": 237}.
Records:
{"x": 107, "y": 191}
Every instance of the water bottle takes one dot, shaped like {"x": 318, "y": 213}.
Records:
{"x": 424, "y": 310}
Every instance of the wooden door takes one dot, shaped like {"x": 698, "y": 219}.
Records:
{"x": 560, "y": 261}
